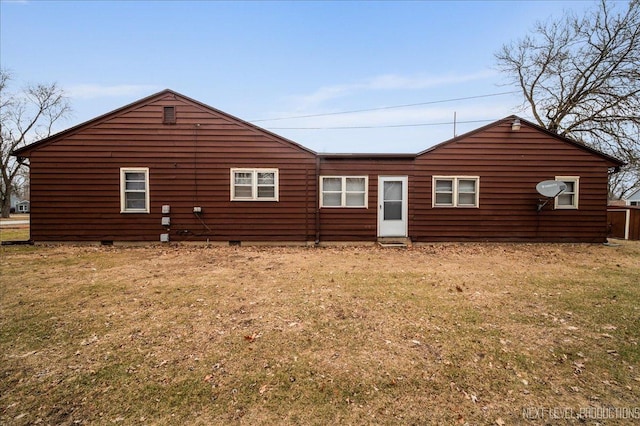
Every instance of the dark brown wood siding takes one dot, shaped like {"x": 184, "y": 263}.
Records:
{"x": 76, "y": 179}
{"x": 358, "y": 224}
{"x": 509, "y": 165}
{"x": 75, "y": 182}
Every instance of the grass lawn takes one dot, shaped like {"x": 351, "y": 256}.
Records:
{"x": 438, "y": 334}
{"x": 14, "y": 234}
{"x": 14, "y": 228}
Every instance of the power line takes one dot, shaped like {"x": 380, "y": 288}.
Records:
{"x": 382, "y": 126}
{"x": 386, "y": 107}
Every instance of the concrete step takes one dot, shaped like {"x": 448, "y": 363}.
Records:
{"x": 390, "y": 242}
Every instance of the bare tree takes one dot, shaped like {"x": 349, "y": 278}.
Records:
{"x": 24, "y": 117}
{"x": 580, "y": 78}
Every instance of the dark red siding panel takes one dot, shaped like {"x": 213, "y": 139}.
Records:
{"x": 358, "y": 224}
{"x": 509, "y": 165}
{"x": 76, "y": 180}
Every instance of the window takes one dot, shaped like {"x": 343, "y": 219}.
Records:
{"x": 455, "y": 191}
{"x": 343, "y": 191}
{"x": 634, "y": 203}
{"x": 169, "y": 115}
{"x": 134, "y": 190}
{"x": 568, "y": 199}
{"x": 254, "y": 184}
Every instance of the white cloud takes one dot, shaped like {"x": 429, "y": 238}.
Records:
{"x": 366, "y": 132}
{"x": 397, "y": 82}
{"x": 93, "y": 91}
{"x": 386, "y": 82}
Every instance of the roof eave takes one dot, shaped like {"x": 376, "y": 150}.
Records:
{"x": 364, "y": 155}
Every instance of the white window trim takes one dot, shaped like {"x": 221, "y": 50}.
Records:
{"x": 576, "y": 191}
{"x": 454, "y": 200}
{"x": 123, "y": 203}
{"x": 343, "y": 192}
{"x": 254, "y": 184}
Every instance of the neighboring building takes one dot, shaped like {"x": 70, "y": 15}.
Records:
{"x": 18, "y": 205}
{"x": 169, "y": 167}
{"x": 23, "y": 207}
{"x": 624, "y": 222}
{"x": 634, "y": 198}
{"x": 624, "y": 217}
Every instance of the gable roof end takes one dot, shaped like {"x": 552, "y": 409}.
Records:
{"x": 615, "y": 162}
{"x": 26, "y": 150}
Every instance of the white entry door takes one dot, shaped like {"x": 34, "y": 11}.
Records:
{"x": 392, "y": 206}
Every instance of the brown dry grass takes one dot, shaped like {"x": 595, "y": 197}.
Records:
{"x": 440, "y": 334}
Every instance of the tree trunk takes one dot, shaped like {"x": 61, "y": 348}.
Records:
{"x": 6, "y": 204}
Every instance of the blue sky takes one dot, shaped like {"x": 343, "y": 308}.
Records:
{"x": 265, "y": 60}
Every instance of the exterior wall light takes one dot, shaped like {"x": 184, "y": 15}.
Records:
{"x": 515, "y": 126}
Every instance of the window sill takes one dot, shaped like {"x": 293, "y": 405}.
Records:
{"x": 454, "y": 207}
{"x": 255, "y": 199}
{"x": 344, "y": 207}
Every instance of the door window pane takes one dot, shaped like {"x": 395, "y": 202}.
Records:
{"x": 393, "y": 191}
{"x": 393, "y": 210}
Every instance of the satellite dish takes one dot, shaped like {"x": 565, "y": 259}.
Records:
{"x": 551, "y": 188}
